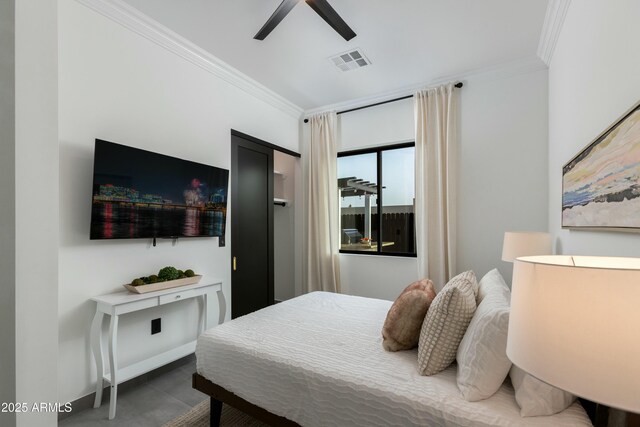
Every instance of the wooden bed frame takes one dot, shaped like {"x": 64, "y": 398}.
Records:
{"x": 598, "y": 414}
{"x": 220, "y": 395}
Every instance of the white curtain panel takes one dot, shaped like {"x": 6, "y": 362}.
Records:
{"x": 435, "y": 117}
{"x": 323, "y": 240}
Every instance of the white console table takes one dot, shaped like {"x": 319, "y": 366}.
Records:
{"x": 119, "y": 303}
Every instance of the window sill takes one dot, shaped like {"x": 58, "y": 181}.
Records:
{"x": 386, "y": 254}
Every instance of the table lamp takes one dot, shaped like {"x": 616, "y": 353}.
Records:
{"x": 575, "y": 324}
{"x": 525, "y": 243}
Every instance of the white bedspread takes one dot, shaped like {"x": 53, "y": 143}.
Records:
{"x": 318, "y": 360}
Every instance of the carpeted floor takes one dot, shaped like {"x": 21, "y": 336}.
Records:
{"x": 198, "y": 416}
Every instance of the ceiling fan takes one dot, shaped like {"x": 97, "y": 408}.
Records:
{"x": 322, "y": 8}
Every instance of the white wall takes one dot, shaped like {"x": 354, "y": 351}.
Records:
{"x": 503, "y": 167}
{"x": 594, "y": 77}
{"x": 383, "y": 124}
{"x": 36, "y": 178}
{"x": 7, "y": 210}
{"x": 502, "y": 179}
{"x": 119, "y": 86}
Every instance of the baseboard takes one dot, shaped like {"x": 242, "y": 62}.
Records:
{"x": 86, "y": 402}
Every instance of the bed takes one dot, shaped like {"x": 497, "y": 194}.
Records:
{"x": 317, "y": 360}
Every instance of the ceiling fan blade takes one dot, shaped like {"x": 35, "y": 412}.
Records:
{"x": 331, "y": 17}
{"x": 282, "y": 11}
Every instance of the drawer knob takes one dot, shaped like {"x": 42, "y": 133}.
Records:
{"x": 178, "y": 296}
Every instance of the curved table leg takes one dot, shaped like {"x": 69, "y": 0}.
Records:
{"x": 96, "y": 347}
{"x": 113, "y": 364}
{"x": 202, "y": 321}
{"x": 222, "y": 306}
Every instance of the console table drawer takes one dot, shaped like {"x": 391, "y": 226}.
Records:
{"x": 178, "y": 296}
{"x": 136, "y": 305}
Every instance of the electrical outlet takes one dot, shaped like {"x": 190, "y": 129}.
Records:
{"x": 156, "y": 326}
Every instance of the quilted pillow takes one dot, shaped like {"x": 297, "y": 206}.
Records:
{"x": 446, "y": 322}
{"x": 401, "y": 328}
{"x": 482, "y": 355}
{"x": 536, "y": 397}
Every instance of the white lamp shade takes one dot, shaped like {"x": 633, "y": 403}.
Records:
{"x": 525, "y": 243}
{"x": 575, "y": 324}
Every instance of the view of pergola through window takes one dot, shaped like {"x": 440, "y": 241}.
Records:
{"x": 378, "y": 180}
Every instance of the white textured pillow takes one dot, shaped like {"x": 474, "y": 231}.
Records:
{"x": 536, "y": 397}
{"x": 482, "y": 355}
{"x": 446, "y": 322}
{"x": 491, "y": 282}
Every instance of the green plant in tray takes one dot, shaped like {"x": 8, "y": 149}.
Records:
{"x": 164, "y": 275}
{"x": 168, "y": 273}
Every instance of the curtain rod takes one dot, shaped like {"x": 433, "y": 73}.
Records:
{"x": 458, "y": 85}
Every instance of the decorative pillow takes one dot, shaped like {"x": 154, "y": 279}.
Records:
{"x": 446, "y": 322}
{"x": 401, "y": 328}
{"x": 536, "y": 397}
{"x": 491, "y": 282}
{"x": 482, "y": 355}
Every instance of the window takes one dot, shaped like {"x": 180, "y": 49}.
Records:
{"x": 373, "y": 181}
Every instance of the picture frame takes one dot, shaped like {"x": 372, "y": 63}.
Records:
{"x": 601, "y": 184}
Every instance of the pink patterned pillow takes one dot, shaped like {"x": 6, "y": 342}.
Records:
{"x": 401, "y": 330}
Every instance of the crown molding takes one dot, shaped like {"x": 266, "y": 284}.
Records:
{"x": 553, "y": 21}
{"x": 136, "y": 21}
{"x": 504, "y": 70}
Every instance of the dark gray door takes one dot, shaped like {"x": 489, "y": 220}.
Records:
{"x": 251, "y": 225}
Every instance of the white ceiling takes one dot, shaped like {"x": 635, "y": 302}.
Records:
{"x": 408, "y": 41}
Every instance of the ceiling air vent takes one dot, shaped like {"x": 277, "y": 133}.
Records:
{"x": 350, "y": 60}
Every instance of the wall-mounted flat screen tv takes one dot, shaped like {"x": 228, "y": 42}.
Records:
{"x": 140, "y": 194}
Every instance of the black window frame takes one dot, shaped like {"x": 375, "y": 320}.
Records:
{"x": 379, "y": 199}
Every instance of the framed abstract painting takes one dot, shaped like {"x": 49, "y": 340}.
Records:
{"x": 601, "y": 185}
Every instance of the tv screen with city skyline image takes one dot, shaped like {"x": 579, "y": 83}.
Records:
{"x": 140, "y": 194}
